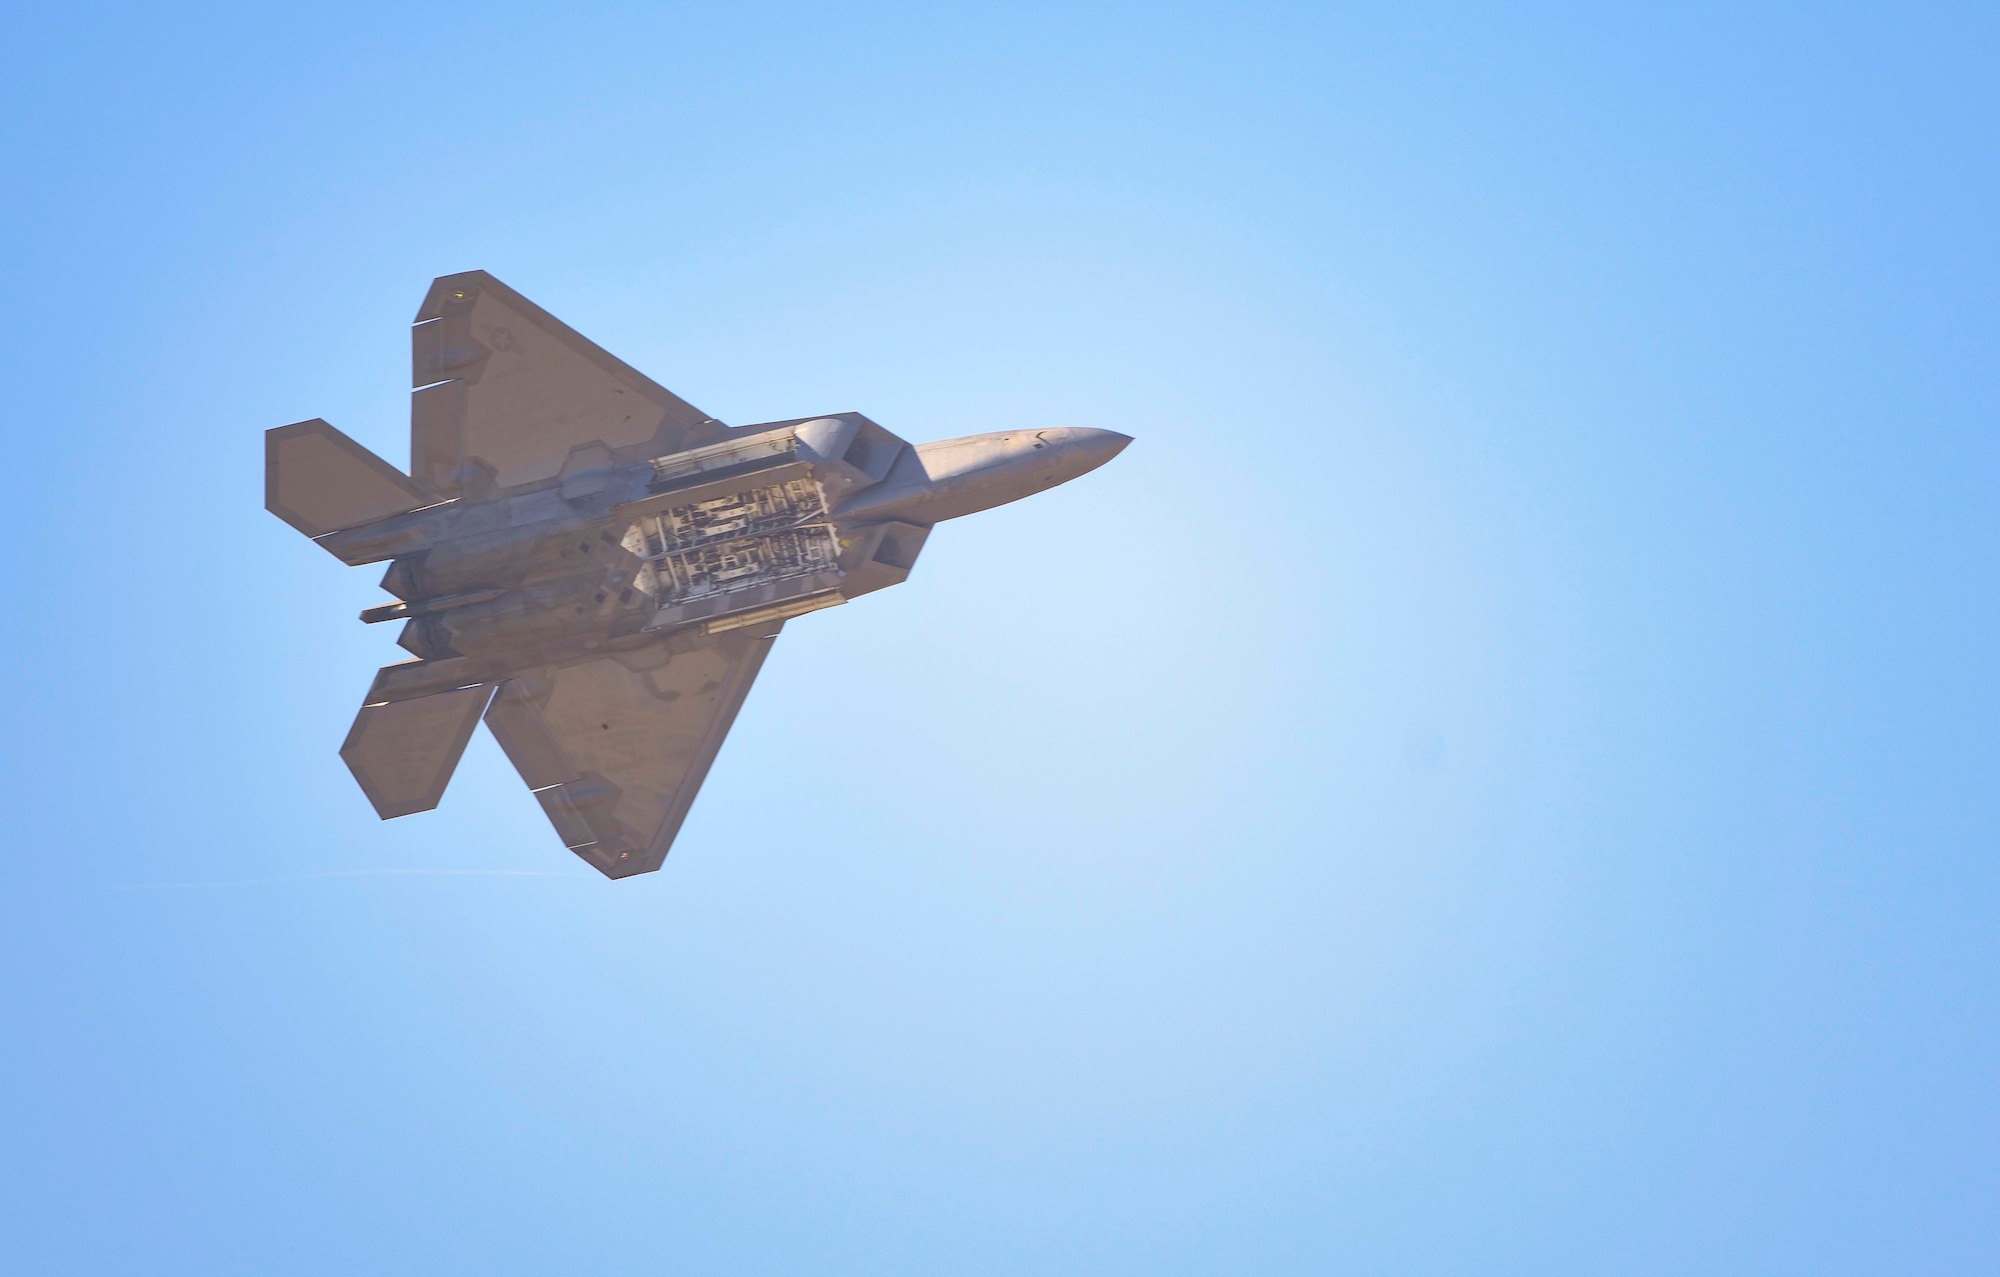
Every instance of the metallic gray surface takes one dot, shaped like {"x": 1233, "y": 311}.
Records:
{"x": 606, "y": 563}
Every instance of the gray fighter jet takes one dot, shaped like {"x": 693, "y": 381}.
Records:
{"x": 599, "y": 568}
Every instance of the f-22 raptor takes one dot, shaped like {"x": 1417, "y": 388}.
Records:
{"x": 598, "y": 568}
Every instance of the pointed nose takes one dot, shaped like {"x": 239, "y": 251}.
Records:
{"x": 1085, "y": 449}
{"x": 954, "y": 477}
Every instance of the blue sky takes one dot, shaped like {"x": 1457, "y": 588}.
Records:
{"x": 1498, "y": 778}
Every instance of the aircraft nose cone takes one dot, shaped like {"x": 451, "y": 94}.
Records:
{"x": 1088, "y": 449}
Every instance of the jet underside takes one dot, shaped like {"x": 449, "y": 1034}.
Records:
{"x": 597, "y": 569}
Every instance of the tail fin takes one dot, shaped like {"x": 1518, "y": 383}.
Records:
{"x": 320, "y": 481}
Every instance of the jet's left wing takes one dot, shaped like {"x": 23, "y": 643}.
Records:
{"x": 506, "y": 390}
{"x": 616, "y": 747}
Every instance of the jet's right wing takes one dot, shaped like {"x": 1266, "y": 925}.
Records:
{"x": 616, "y": 747}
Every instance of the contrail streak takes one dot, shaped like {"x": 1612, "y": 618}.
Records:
{"x": 355, "y": 873}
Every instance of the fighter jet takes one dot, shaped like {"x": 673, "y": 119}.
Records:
{"x": 598, "y": 568}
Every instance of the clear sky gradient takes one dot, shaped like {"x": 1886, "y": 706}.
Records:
{"x": 1499, "y": 778}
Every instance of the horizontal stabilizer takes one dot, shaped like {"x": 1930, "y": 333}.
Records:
{"x": 320, "y": 481}
{"x": 404, "y": 752}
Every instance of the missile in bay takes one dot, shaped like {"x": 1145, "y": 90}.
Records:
{"x": 597, "y": 568}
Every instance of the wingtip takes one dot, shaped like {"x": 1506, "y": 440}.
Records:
{"x": 452, "y": 292}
